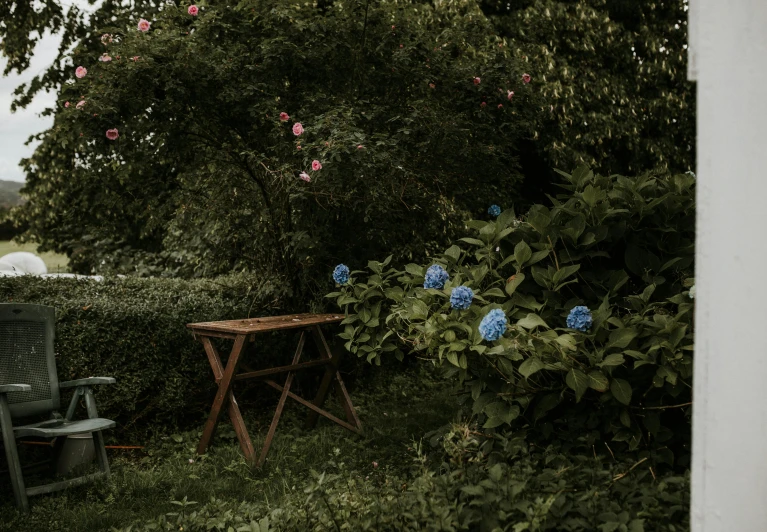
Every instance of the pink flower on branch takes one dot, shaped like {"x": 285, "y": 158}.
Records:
{"x": 193, "y": 10}
{"x": 106, "y": 38}
{"x": 135, "y": 58}
{"x": 477, "y": 81}
{"x": 80, "y": 104}
{"x": 316, "y": 165}
{"x": 284, "y": 117}
{"x": 306, "y": 177}
{"x": 298, "y": 129}
{"x": 112, "y": 134}
{"x": 105, "y": 58}
{"x": 143, "y": 25}
{"x": 66, "y": 104}
{"x": 526, "y": 78}
{"x": 81, "y": 72}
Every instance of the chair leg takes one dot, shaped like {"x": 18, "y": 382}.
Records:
{"x": 12, "y": 454}
{"x": 98, "y": 436}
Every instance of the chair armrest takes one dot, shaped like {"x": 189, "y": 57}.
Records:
{"x": 90, "y": 381}
{"x": 7, "y": 388}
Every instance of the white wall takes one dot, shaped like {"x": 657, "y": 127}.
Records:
{"x": 729, "y": 483}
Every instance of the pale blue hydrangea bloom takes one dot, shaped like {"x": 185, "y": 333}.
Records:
{"x": 579, "y": 318}
{"x": 494, "y": 210}
{"x": 493, "y": 325}
{"x": 341, "y": 274}
{"x": 436, "y": 276}
{"x": 461, "y": 297}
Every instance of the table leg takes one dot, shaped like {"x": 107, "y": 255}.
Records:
{"x": 281, "y": 404}
{"x": 222, "y": 395}
{"x": 331, "y": 376}
{"x": 232, "y": 407}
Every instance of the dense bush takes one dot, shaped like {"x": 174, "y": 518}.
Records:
{"x": 517, "y": 488}
{"x": 614, "y": 80}
{"x": 622, "y": 247}
{"x": 135, "y": 330}
{"x": 405, "y": 107}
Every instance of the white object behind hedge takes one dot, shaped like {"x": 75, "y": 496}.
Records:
{"x": 24, "y": 262}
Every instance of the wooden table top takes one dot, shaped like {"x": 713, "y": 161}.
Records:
{"x": 269, "y": 323}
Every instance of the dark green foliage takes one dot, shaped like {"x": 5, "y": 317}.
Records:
{"x": 621, "y": 246}
{"x": 135, "y": 330}
{"x": 613, "y": 75}
{"x": 205, "y": 177}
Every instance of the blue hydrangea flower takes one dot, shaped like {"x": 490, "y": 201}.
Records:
{"x": 494, "y": 210}
{"x": 579, "y": 318}
{"x": 341, "y": 274}
{"x": 436, "y": 276}
{"x": 460, "y": 297}
{"x": 493, "y": 325}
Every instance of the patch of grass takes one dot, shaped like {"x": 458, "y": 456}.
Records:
{"x": 396, "y": 409}
{"x": 55, "y": 262}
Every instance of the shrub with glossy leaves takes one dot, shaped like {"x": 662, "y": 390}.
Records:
{"x": 622, "y": 247}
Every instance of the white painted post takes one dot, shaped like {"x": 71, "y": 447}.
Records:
{"x": 729, "y": 470}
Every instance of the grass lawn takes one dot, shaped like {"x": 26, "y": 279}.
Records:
{"x": 56, "y": 263}
{"x": 396, "y": 409}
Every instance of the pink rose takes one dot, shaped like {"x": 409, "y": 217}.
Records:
{"x": 66, "y": 104}
{"x": 193, "y": 10}
{"x": 526, "y": 78}
{"x": 393, "y": 26}
{"x": 375, "y": 465}
{"x": 135, "y": 58}
{"x": 316, "y": 165}
{"x": 305, "y": 177}
{"x": 359, "y": 146}
{"x": 298, "y": 147}
{"x": 500, "y": 106}
{"x": 401, "y": 45}
{"x": 483, "y": 104}
{"x": 80, "y": 72}
{"x": 112, "y": 134}
{"x": 106, "y": 38}
{"x": 476, "y": 81}
{"x": 298, "y": 129}
{"x": 431, "y": 85}
{"x": 105, "y": 58}
{"x": 143, "y": 25}
{"x": 509, "y": 95}
{"x": 284, "y": 117}
{"x": 80, "y": 104}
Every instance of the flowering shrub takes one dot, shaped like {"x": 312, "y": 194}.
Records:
{"x": 594, "y": 286}
{"x": 435, "y": 277}
{"x": 493, "y": 325}
{"x": 341, "y": 274}
{"x": 579, "y": 318}
{"x": 461, "y": 297}
{"x": 224, "y": 115}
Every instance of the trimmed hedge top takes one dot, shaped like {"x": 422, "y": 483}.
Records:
{"x": 134, "y": 329}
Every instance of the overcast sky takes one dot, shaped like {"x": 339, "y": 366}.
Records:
{"x": 16, "y": 127}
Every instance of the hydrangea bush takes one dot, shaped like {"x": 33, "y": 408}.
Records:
{"x": 595, "y": 290}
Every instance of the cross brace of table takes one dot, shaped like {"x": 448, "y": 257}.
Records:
{"x": 225, "y": 377}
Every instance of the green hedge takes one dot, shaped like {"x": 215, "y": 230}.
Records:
{"x": 135, "y": 330}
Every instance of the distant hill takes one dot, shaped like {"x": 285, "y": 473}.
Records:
{"x": 9, "y": 193}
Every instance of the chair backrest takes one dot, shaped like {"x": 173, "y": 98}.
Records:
{"x": 27, "y": 357}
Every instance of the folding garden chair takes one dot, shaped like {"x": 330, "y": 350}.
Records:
{"x": 29, "y": 386}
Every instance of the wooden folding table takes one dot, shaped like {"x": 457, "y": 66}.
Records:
{"x": 244, "y": 332}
